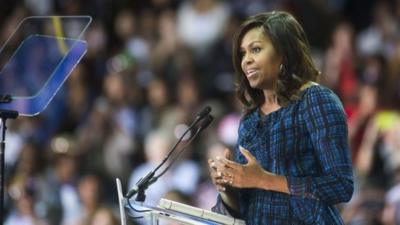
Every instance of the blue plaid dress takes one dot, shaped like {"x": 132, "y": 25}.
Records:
{"x": 307, "y": 142}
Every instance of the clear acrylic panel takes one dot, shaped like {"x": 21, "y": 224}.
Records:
{"x": 37, "y": 59}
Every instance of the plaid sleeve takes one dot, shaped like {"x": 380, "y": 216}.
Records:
{"x": 326, "y": 124}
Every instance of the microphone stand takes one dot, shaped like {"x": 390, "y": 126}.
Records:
{"x": 4, "y": 115}
{"x": 149, "y": 179}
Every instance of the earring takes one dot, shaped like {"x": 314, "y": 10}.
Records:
{"x": 281, "y": 69}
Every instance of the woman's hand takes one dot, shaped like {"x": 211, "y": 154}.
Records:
{"x": 216, "y": 171}
{"x": 227, "y": 173}
{"x": 220, "y": 182}
{"x": 250, "y": 175}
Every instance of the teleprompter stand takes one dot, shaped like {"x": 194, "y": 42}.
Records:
{"x": 35, "y": 61}
{"x": 4, "y": 115}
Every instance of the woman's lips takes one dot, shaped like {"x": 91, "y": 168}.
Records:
{"x": 251, "y": 73}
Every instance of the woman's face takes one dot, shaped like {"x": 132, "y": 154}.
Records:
{"x": 260, "y": 62}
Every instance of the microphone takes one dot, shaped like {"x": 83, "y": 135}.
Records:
{"x": 205, "y": 123}
{"x": 204, "y": 112}
{"x": 205, "y": 119}
{"x": 142, "y": 184}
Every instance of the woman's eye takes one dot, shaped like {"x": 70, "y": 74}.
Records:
{"x": 255, "y": 50}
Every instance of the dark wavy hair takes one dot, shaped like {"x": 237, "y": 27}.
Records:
{"x": 290, "y": 42}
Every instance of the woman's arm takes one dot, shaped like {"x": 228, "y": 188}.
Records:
{"x": 326, "y": 124}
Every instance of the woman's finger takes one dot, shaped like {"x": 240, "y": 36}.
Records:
{"x": 228, "y": 154}
{"x": 221, "y": 188}
{"x": 228, "y": 163}
{"x": 212, "y": 164}
{"x": 215, "y": 173}
{"x": 228, "y": 172}
{"x": 249, "y": 157}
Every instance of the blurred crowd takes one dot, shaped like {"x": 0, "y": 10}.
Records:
{"x": 152, "y": 65}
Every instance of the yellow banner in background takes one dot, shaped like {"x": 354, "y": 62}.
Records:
{"x": 59, "y": 34}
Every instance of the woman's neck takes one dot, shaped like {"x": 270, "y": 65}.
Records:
{"x": 271, "y": 102}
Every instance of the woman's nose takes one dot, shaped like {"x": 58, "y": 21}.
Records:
{"x": 247, "y": 59}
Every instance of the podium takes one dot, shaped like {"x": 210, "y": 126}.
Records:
{"x": 169, "y": 211}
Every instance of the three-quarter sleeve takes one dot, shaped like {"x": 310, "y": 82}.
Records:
{"x": 326, "y": 125}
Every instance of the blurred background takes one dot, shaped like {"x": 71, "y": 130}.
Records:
{"x": 152, "y": 65}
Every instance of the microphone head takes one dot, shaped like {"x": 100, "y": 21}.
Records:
{"x": 206, "y": 122}
{"x": 204, "y": 112}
